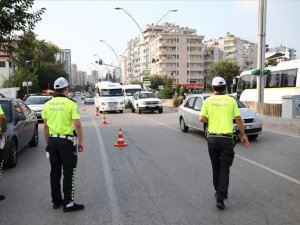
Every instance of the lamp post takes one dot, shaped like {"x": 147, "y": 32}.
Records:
{"x": 148, "y": 45}
{"x": 115, "y": 55}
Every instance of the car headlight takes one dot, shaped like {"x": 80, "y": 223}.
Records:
{"x": 143, "y": 102}
{"x": 121, "y": 103}
{"x": 257, "y": 118}
{"x": 103, "y": 103}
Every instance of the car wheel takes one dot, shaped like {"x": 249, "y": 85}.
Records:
{"x": 139, "y": 111}
{"x": 35, "y": 139}
{"x": 183, "y": 126}
{"x": 121, "y": 111}
{"x": 252, "y": 137}
{"x": 132, "y": 110}
{"x": 160, "y": 110}
{"x": 12, "y": 158}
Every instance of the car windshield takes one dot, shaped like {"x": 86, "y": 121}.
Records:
{"x": 147, "y": 95}
{"x": 7, "y": 110}
{"x": 130, "y": 92}
{"x": 111, "y": 92}
{"x": 240, "y": 104}
{"x": 36, "y": 100}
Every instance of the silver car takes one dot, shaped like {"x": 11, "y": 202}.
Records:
{"x": 36, "y": 103}
{"x": 189, "y": 111}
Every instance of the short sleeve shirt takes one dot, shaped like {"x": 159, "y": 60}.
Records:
{"x": 60, "y": 113}
{"x": 220, "y": 111}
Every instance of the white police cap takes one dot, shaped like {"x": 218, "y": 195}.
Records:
{"x": 60, "y": 83}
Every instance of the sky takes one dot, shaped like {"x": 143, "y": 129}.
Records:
{"x": 79, "y": 25}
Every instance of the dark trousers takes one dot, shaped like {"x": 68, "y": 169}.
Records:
{"x": 63, "y": 157}
{"x": 221, "y": 155}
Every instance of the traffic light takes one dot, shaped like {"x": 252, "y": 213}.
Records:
{"x": 100, "y": 62}
{"x": 257, "y": 72}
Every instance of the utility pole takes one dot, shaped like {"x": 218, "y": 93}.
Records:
{"x": 262, "y": 17}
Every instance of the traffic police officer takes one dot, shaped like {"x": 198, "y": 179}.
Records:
{"x": 218, "y": 111}
{"x": 61, "y": 118}
{"x": 3, "y": 125}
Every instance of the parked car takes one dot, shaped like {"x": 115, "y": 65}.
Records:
{"x": 188, "y": 114}
{"x": 146, "y": 101}
{"x": 36, "y": 103}
{"x": 22, "y": 128}
{"x": 89, "y": 99}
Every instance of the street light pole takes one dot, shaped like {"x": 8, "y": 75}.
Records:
{"x": 114, "y": 53}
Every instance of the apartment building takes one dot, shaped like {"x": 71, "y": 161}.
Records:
{"x": 74, "y": 80}
{"x": 95, "y": 76}
{"x": 64, "y": 56}
{"x": 82, "y": 77}
{"x": 170, "y": 50}
{"x": 236, "y": 49}
{"x": 280, "y": 53}
{"x": 8, "y": 66}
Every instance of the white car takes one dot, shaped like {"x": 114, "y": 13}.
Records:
{"x": 36, "y": 103}
{"x": 146, "y": 101}
{"x": 189, "y": 111}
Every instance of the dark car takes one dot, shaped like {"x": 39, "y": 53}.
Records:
{"x": 22, "y": 129}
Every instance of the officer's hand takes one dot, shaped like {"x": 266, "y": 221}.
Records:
{"x": 4, "y": 135}
{"x": 80, "y": 147}
{"x": 244, "y": 141}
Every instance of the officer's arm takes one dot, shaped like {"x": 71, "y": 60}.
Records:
{"x": 78, "y": 129}
{"x": 243, "y": 136}
{"x": 203, "y": 119}
{"x": 46, "y": 132}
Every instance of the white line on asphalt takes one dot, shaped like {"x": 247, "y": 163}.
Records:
{"x": 277, "y": 132}
{"x": 109, "y": 183}
{"x": 269, "y": 169}
{"x": 245, "y": 159}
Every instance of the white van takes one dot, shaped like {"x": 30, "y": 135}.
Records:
{"x": 109, "y": 97}
{"x": 128, "y": 91}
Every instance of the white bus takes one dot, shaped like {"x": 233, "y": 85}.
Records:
{"x": 109, "y": 97}
{"x": 284, "y": 79}
{"x": 128, "y": 91}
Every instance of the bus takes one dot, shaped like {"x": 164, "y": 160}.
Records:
{"x": 109, "y": 97}
{"x": 128, "y": 91}
{"x": 284, "y": 79}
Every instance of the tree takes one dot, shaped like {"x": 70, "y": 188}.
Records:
{"x": 158, "y": 80}
{"x": 20, "y": 76}
{"x": 15, "y": 17}
{"x": 226, "y": 69}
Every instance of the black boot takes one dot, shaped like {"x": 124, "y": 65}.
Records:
{"x": 2, "y": 197}
{"x": 220, "y": 204}
{"x": 70, "y": 207}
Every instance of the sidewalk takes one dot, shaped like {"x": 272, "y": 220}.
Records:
{"x": 281, "y": 125}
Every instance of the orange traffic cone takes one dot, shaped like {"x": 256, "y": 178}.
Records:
{"x": 120, "y": 142}
{"x": 103, "y": 121}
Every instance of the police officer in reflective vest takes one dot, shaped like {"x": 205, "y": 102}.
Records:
{"x": 3, "y": 126}
{"x": 218, "y": 111}
{"x": 62, "y": 128}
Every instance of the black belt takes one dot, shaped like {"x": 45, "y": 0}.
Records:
{"x": 220, "y": 135}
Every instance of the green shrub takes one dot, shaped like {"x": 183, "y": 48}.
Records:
{"x": 166, "y": 93}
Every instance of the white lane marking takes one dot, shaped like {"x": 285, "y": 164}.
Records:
{"x": 245, "y": 159}
{"x": 109, "y": 183}
{"x": 277, "y": 132}
{"x": 270, "y": 170}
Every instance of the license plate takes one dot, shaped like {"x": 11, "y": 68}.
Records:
{"x": 151, "y": 106}
{"x": 247, "y": 127}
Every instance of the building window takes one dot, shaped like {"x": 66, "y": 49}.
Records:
{"x": 2, "y": 63}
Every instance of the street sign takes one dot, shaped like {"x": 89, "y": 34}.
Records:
{"x": 26, "y": 83}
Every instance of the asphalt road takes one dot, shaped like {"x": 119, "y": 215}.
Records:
{"x": 163, "y": 176}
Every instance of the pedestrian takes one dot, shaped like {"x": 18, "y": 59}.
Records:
{"x": 218, "y": 111}
{"x": 3, "y": 126}
{"x": 62, "y": 127}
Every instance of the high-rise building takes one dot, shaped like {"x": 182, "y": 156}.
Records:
{"x": 236, "y": 49}
{"x": 64, "y": 56}
{"x": 95, "y": 76}
{"x": 74, "y": 76}
{"x": 169, "y": 50}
